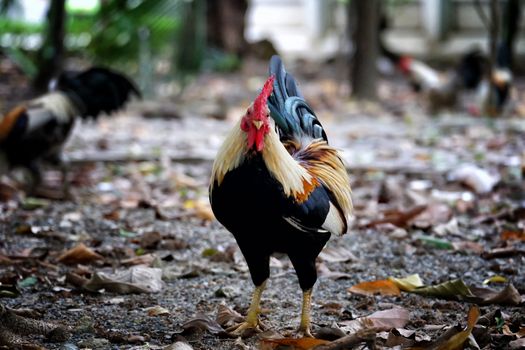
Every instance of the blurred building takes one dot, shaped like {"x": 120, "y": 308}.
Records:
{"x": 299, "y": 28}
{"x": 439, "y": 29}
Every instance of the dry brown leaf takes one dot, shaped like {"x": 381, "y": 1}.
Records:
{"x": 203, "y": 210}
{"x": 385, "y": 320}
{"x": 7, "y": 192}
{"x": 337, "y": 254}
{"x": 183, "y": 180}
{"x": 408, "y": 283}
{"x": 437, "y": 215}
{"x": 507, "y": 296}
{"x": 383, "y": 287}
{"x": 150, "y": 240}
{"x": 457, "y": 339}
{"x": 79, "y": 254}
{"x": 519, "y": 334}
{"x": 474, "y": 247}
{"x": 513, "y": 235}
{"x": 146, "y": 259}
{"x": 157, "y": 311}
{"x": 398, "y": 218}
{"x": 324, "y": 272}
{"x": 292, "y": 344}
{"x": 202, "y": 323}
{"x": 137, "y": 279}
{"x": 4, "y": 260}
{"x": 178, "y": 346}
{"x": 227, "y": 317}
{"x": 400, "y": 337}
{"x": 517, "y": 344}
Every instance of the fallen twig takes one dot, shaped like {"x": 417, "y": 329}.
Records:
{"x": 502, "y": 253}
{"x": 364, "y": 336}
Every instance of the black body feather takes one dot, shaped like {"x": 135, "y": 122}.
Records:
{"x": 471, "y": 69}
{"x": 252, "y": 205}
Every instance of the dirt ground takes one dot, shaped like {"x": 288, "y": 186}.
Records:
{"x": 439, "y": 196}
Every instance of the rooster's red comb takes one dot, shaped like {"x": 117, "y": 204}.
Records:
{"x": 404, "y": 64}
{"x": 260, "y": 101}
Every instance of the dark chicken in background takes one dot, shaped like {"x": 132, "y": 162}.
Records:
{"x": 278, "y": 186}
{"x": 35, "y": 131}
{"x": 501, "y": 78}
{"x": 441, "y": 89}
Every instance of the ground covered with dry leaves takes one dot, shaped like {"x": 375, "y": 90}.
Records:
{"x": 434, "y": 258}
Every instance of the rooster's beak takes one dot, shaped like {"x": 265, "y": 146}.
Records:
{"x": 257, "y": 123}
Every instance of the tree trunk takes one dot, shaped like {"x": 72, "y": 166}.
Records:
{"x": 490, "y": 108}
{"x": 51, "y": 54}
{"x": 364, "y": 71}
{"x": 190, "y": 41}
{"x": 510, "y": 22}
{"x": 225, "y": 21}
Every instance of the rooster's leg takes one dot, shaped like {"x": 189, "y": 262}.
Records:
{"x": 252, "y": 320}
{"x": 304, "y": 265}
{"x": 304, "y": 327}
{"x": 66, "y": 185}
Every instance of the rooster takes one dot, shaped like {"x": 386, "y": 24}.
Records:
{"x": 278, "y": 186}
{"x": 493, "y": 91}
{"x": 494, "y": 95}
{"x": 440, "y": 89}
{"x": 35, "y": 131}
{"x": 496, "y": 101}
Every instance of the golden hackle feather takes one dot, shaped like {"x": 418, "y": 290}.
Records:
{"x": 325, "y": 164}
{"x": 230, "y": 154}
{"x": 293, "y": 177}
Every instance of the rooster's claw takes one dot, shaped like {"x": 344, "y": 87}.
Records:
{"x": 244, "y": 329}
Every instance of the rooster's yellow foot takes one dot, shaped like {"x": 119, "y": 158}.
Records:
{"x": 304, "y": 332}
{"x": 245, "y": 329}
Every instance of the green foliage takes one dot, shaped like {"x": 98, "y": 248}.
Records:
{"x": 18, "y": 27}
{"x": 22, "y": 60}
{"x": 190, "y": 40}
{"x": 220, "y": 61}
{"x": 12, "y": 44}
{"x": 110, "y": 34}
{"x": 125, "y": 33}
{"x": 113, "y": 31}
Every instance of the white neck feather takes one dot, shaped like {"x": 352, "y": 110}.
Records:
{"x": 58, "y": 103}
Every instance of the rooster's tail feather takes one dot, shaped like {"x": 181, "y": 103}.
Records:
{"x": 97, "y": 90}
{"x": 291, "y": 113}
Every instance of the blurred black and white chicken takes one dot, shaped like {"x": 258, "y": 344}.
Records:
{"x": 35, "y": 131}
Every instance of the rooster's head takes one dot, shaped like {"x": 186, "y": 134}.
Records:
{"x": 256, "y": 121}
